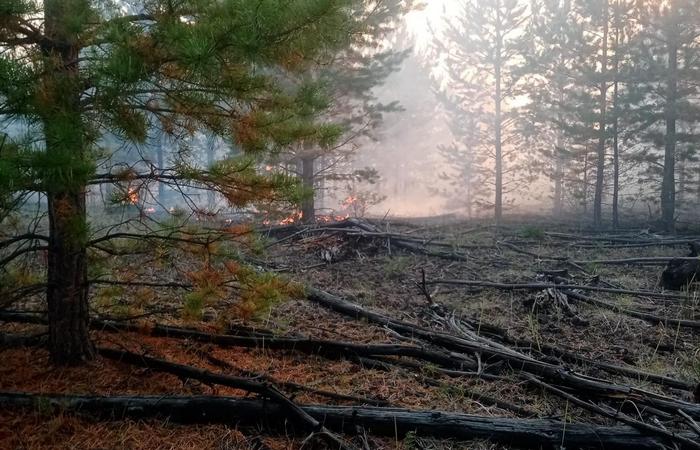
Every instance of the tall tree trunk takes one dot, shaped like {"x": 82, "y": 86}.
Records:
{"x": 558, "y": 175}
{"x": 600, "y": 167}
{"x": 498, "y": 119}
{"x": 211, "y": 195}
{"x": 308, "y": 206}
{"x": 161, "y": 166}
{"x": 668, "y": 186}
{"x": 559, "y": 162}
{"x": 67, "y": 291}
{"x": 585, "y": 181}
{"x": 616, "y": 121}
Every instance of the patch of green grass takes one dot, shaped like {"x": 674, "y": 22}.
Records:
{"x": 18, "y": 276}
{"x": 532, "y": 232}
{"x": 593, "y": 268}
{"x": 396, "y": 266}
{"x": 108, "y": 297}
{"x": 194, "y": 304}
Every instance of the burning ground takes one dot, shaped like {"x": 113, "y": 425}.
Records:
{"x": 563, "y": 332}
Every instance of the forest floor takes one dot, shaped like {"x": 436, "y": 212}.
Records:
{"x": 413, "y": 272}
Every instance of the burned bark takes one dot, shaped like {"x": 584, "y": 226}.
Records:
{"x": 681, "y": 272}
{"x": 391, "y": 422}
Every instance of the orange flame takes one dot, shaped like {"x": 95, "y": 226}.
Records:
{"x": 297, "y": 216}
{"x": 132, "y": 196}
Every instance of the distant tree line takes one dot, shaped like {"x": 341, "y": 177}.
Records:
{"x": 601, "y": 97}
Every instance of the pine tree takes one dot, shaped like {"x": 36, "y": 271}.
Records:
{"x": 566, "y": 89}
{"x": 350, "y": 80}
{"x": 664, "y": 91}
{"x": 76, "y": 71}
{"x": 481, "y": 47}
{"x": 552, "y": 60}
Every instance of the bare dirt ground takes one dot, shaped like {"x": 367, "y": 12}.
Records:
{"x": 374, "y": 271}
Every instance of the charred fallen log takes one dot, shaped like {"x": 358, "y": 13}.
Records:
{"x": 393, "y": 422}
{"x": 556, "y": 374}
{"x": 327, "y": 348}
{"x": 681, "y": 272}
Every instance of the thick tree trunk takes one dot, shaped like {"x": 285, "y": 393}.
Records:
{"x": 600, "y": 167}
{"x": 67, "y": 292}
{"x": 498, "y": 121}
{"x": 67, "y": 289}
{"x": 391, "y": 422}
{"x": 668, "y": 186}
{"x": 308, "y": 206}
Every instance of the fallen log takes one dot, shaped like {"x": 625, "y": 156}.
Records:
{"x": 669, "y": 243}
{"x": 290, "y": 386}
{"x": 542, "y": 286}
{"x": 617, "y": 239}
{"x": 21, "y": 340}
{"x": 556, "y": 374}
{"x": 567, "y": 289}
{"x": 647, "y": 317}
{"x": 262, "y": 388}
{"x": 572, "y": 357}
{"x": 206, "y": 376}
{"x": 686, "y": 442}
{"x": 461, "y": 326}
{"x": 333, "y": 349}
{"x": 647, "y": 261}
{"x": 391, "y": 422}
{"x": 679, "y": 274}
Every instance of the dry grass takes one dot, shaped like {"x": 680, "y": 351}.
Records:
{"x": 367, "y": 275}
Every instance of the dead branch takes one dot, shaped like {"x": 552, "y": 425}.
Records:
{"x": 569, "y": 356}
{"x": 327, "y": 348}
{"x": 264, "y": 389}
{"x": 685, "y": 441}
{"x": 559, "y": 375}
{"x": 645, "y": 261}
{"x": 647, "y": 317}
{"x": 290, "y": 386}
{"x": 542, "y": 286}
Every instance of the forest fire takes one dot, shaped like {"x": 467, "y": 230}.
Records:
{"x": 299, "y": 215}
{"x": 350, "y": 201}
{"x": 293, "y": 218}
{"x": 132, "y": 196}
{"x": 332, "y": 218}
{"x": 310, "y": 224}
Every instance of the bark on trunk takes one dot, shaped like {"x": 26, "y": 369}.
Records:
{"x": 498, "y": 122}
{"x": 558, "y": 177}
{"x": 308, "y": 206}
{"x": 600, "y": 167}
{"x": 391, "y": 422}
{"x": 211, "y": 147}
{"x": 559, "y": 160}
{"x": 668, "y": 186}
{"x": 616, "y": 122}
{"x": 584, "y": 196}
{"x": 67, "y": 291}
{"x": 160, "y": 160}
